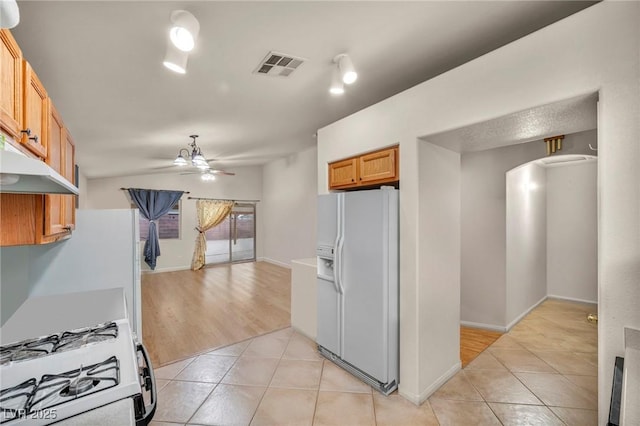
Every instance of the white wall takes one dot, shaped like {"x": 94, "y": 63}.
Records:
{"x": 526, "y": 256}
{"x": 289, "y": 207}
{"x": 483, "y": 268}
{"x": 83, "y": 189}
{"x": 439, "y": 265}
{"x": 572, "y": 241}
{"x": 176, "y": 254}
{"x": 596, "y": 49}
{"x": 14, "y": 279}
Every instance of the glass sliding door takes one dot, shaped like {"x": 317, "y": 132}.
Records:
{"x": 233, "y": 240}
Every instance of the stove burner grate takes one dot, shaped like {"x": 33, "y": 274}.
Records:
{"x": 56, "y": 389}
{"x": 68, "y": 340}
{"x": 15, "y": 400}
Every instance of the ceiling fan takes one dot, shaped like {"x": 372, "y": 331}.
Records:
{"x": 195, "y": 158}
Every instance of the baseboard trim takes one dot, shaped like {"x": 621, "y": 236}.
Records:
{"x": 169, "y": 269}
{"x": 572, "y": 299}
{"x": 418, "y": 399}
{"x": 300, "y": 331}
{"x": 522, "y": 315}
{"x": 483, "y": 326}
{"x": 273, "y": 261}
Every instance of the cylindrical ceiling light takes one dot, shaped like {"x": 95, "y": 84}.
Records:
{"x": 9, "y": 13}
{"x": 175, "y": 59}
{"x": 337, "y": 86}
{"x": 184, "y": 30}
{"x": 347, "y": 71}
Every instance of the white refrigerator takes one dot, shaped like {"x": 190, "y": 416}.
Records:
{"x": 103, "y": 252}
{"x": 357, "y": 255}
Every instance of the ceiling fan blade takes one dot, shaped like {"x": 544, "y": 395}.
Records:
{"x": 222, "y": 172}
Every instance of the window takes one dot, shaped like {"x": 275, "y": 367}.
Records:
{"x": 168, "y": 225}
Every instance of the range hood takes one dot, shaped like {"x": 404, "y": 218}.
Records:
{"x": 20, "y": 174}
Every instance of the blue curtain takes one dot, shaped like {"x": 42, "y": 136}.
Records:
{"x": 152, "y": 205}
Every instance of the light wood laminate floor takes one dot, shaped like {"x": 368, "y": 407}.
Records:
{"x": 185, "y": 313}
{"x": 473, "y": 341}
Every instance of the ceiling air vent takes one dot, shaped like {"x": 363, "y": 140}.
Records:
{"x": 278, "y": 64}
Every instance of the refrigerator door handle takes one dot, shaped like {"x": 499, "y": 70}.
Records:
{"x": 336, "y": 263}
{"x": 338, "y": 250}
{"x": 339, "y": 268}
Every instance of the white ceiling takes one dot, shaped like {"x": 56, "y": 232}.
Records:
{"x": 560, "y": 118}
{"x": 101, "y": 64}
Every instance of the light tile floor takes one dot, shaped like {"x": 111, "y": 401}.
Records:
{"x": 543, "y": 372}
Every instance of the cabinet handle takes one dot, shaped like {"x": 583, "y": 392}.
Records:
{"x": 27, "y": 131}
{"x": 34, "y": 138}
{"x": 352, "y": 180}
{"x": 66, "y": 228}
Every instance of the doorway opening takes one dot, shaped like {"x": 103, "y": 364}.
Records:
{"x": 233, "y": 240}
{"x": 487, "y": 150}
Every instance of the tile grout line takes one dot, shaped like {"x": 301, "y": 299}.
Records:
{"x": 373, "y": 406}
{"x": 266, "y": 389}
{"x": 219, "y": 382}
{"x": 531, "y": 390}
{"x": 315, "y": 407}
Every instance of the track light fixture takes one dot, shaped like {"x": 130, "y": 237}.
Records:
{"x": 343, "y": 73}
{"x": 337, "y": 86}
{"x": 184, "y": 30}
{"x": 182, "y": 36}
{"x": 347, "y": 71}
{"x": 9, "y": 14}
{"x": 176, "y": 59}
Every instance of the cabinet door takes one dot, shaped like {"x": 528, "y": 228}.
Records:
{"x": 343, "y": 173}
{"x": 380, "y": 166}
{"x": 54, "y": 216}
{"x": 10, "y": 84}
{"x": 69, "y": 174}
{"x": 34, "y": 112}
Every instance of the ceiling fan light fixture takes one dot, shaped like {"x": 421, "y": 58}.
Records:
{"x": 184, "y": 30}
{"x": 347, "y": 71}
{"x": 198, "y": 160}
{"x": 180, "y": 161}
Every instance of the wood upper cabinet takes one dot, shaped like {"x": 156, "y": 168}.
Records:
{"x": 365, "y": 170}
{"x": 69, "y": 173}
{"x": 343, "y": 173}
{"x": 10, "y": 85}
{"x": 379, "y": 166}
{"x": 34, "y": 112}
{"x": 54, "y": 215}
{"x": 24, "y": 104}
{"x": 43, "y": 218}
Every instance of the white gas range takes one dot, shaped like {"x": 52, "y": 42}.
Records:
{"x": 63, "y": 356}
